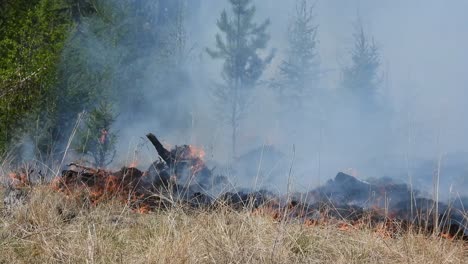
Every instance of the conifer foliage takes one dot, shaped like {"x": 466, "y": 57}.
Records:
{"x": 299, "y": 71}
{"x": 96, "y": 138}
{"x": 239, "y": 44}
{"x": 361, "y": 77}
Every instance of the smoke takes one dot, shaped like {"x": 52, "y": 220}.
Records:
{"x": 162, "y": 79}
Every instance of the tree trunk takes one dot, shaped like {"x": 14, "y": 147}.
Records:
{"x": 236, "y": 90}
{"x": 234, "y": 122}
{"x": 234, "y": 136}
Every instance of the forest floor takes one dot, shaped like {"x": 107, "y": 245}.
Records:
{"x": 50, "y": 228}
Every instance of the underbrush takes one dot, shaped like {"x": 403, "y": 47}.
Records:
{"x": 51, "y": 228}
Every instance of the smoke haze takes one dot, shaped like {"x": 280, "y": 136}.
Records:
{"x": 422, "y": 91}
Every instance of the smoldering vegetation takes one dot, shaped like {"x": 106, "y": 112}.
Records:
{"x": 284, "y": 131}
{"x": 373, "y": 89}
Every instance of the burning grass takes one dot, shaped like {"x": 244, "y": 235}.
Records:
{"x": 51, "y": 229}
{"x": 164, "y": 215}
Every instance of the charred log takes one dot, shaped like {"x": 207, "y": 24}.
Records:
{"x": 181, "y": 169}
{"x": 165, "y": 154}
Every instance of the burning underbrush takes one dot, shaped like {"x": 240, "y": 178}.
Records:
{"x": 179, "y": 178}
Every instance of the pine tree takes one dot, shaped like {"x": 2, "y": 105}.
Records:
{"x": 361, "y": 78}
{"x": 361, "y": 82}
{"x": 239, "y": 44}
{"x": 299, "y": 72}
{"x": 95, "y": 138}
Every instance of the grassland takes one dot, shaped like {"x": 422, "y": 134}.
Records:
{"x": 52, "y": 229}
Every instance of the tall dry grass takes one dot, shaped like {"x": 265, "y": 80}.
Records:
{"x": 52, "y": 229}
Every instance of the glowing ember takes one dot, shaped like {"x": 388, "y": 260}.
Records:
{"x": 133, "y": 164}
{"x": 196, "y": 152}
{"x": 344, "y": 202}
{"x": 19, "y": 179}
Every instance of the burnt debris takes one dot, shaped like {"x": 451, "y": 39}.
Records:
{"x": 179, "y": 176}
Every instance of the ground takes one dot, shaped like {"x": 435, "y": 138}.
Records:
{"x": 50, "y": 228}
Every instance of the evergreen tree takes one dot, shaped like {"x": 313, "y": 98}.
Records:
{"x": 59, "y": 57}
{"x": 299, "y": 72}
{"x": 95, "y": 138}
{"x": 239, "y": 44}
{"x": 361, "y": 78}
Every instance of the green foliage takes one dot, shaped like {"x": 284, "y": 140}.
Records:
{"x": 243, "y": 39}
{"x": 299, "y": 72}
{"x": 238, "y": 44}
{"x": 126, "y": 52}
{"x": 77, "y": 9}
{"x": 95, "y": 138}
{"x": 59, "y": 57}
{"x": 361, "y": 77}
{"x": 33, "y": 33}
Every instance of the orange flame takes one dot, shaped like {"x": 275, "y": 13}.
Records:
{"x": 447, "y": 236}
{"x": 19, "y": 179}
{"x": 197, "y": 152}
{"x": 196, "y": 156}
{"x": 133, "y": 164}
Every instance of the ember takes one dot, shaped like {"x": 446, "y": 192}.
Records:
{"x": 172, "y": 175}
{"x": 180, "y": 176}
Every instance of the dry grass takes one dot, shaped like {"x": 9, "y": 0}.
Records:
{"x": 51, "y": 229}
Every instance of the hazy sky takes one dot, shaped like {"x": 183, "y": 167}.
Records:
{"x": 424, "y": 65}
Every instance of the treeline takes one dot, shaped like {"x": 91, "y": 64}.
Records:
{"x": 33, "y": 34}
{"x": 60, "y": 58}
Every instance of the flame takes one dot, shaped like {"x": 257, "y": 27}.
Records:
{"x": 103, "y": 137}
{"x": 197, "y": 152}
{"x": 133, "y": 164}
{"x": 102, "y": 185}
{"x": 268, "y": 210}
{"x": 143, "y": 209}
{"x": 310, "y": 222}
{"x": 19, "y": 179}
{"x": 195, "y": 155}
{"x": 447, "y": 236}
{"x": 343, "y": 226}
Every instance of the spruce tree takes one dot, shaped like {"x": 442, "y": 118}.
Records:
{"x": 361, "y": 78}
{"x": 299, "y": 72}
{"x": 238, "y": 44}
{"x": 96, "y": 139}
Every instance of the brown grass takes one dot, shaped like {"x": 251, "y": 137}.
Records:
{"x": 51, "y": 229}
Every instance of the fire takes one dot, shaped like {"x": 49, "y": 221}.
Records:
{"x": 342, "y": 226}
{"x": 193, "y": 155}
{"x": 128, "y": 184}
{"x": 197, "y": 152}
{"x": 133, "y": 164}
{"x": 20, "y": 179}
{"x": 270, "y": 210}
{"x": 103, "y": 137}
{"x": 447, "y": 236}
{"x": 198, "y": 155}
{"x": 147, "y": 191}
{"x": 144, "y": 209}
{"x": 100, "y": 185}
